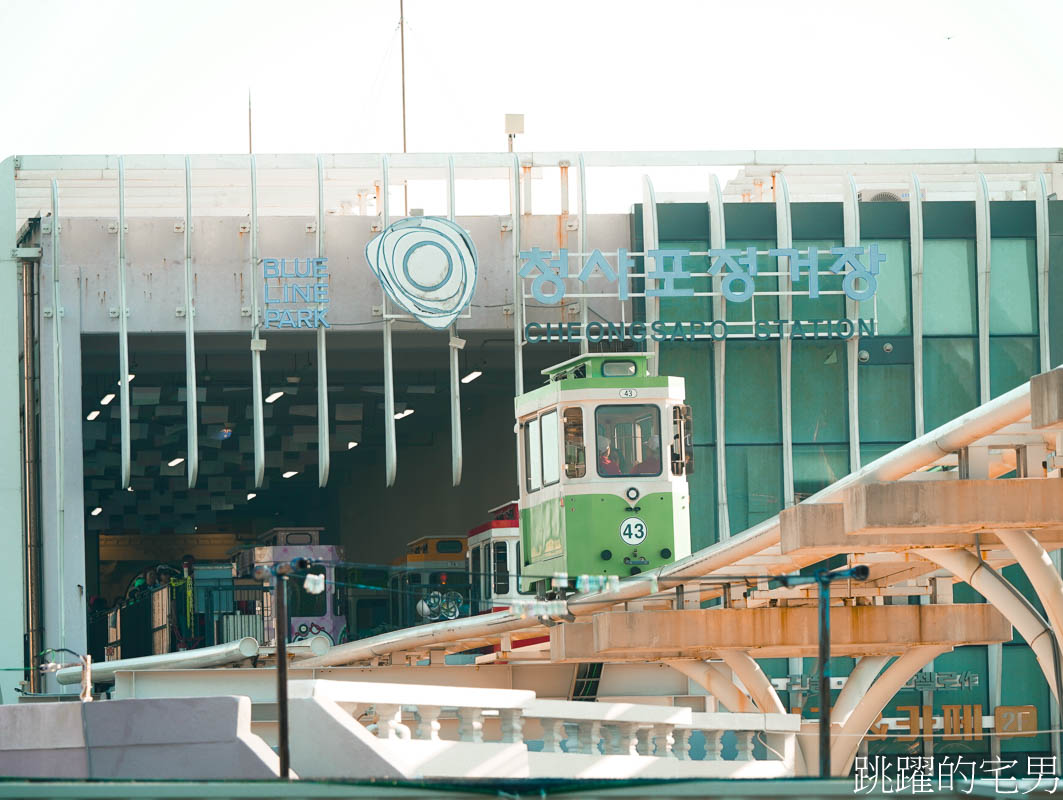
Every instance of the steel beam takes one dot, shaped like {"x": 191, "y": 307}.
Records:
{"x": 915, "y": 235}
{"x": 123, "y": 332}
{"x": 391, "y": 456}
{"x": 983, "y": 248}
{"x": 191, "y": 400}
{"x": 784, "y": 236}
{"x": 258, "y": 345}
{"x": 1041, "y": 209}
{"x": 650, "y": 241}
{"x": 323, "y": 450}
{"x": 455, "y": 345}
{"x": 851, "y": 214}
{"x": 718, "y": 240}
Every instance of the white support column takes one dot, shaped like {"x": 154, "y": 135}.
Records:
{"x": 784, "y": 238}
{"x": 870, "y": 705}
{"x": 123, "y": 335}
{"x": 983, "y": 245}
{"x": 1041, "y": 572}
{"x": 258, "y": 345}
{"x": 851, "y": 215}
{"x": 968, "y": 568}
{"x": 756, "y": 682}
{"x": 518, "y": 284}
{"x": 717, "y": 683}
{"x": 718, "y": 240}
{"x": 1041, "y": 206}
{"x": 62, "y": 476}
{"x": 915, "y": 233}
{"x": 455, "y": 344}
{"x": 584, "y": 346}
{"x": 191, "y": 406}
{"x": 391, "y": 456}
{"x": 856, "y": 686}
{"x": 650, "y": 241}
{"x": 323, "y": 450}
{"x": 12, "y": 534}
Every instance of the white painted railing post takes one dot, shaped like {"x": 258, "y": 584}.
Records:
{"x": 713, "y": 745}
{"x": 587, "y": 737}
{"x": 662, "y": 740}
{"x": 470, "y": 724}
{"x": 512, "y": 725}
{"x": 643, "y": 738}
{"x": 388, "y": 717}
{"x": 428, "y": 722}
{"x": 553, "y": 733}
{"x": 744, "y": 745}
{"x": 681, "y": 747}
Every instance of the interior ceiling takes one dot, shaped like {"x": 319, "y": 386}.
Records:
{"x": 160, "y": 500}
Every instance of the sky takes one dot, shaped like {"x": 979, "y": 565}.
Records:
{"x": 148, "y": 77}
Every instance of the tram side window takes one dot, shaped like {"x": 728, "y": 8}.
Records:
{"x": 629, "y": 440}
{"x": 474, "y": 576}
{"x": 575, "y": 452}
{"x": 533, "y": 455}
{"x": 501, "y": 569}
{"x": 550, "y": 454}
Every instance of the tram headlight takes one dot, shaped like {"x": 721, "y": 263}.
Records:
{"x": 632, "y": 494}
{"x": 606, "y": 555}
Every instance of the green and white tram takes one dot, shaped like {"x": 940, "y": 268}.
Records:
{"x": 605, "y": 450}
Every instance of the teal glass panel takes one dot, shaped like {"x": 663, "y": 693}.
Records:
{"x": 754, "y": 484}
{"x": 686, "y": 309}
{"x": 1013, "y": 286}
{"x": 893, "y": 298}
{"x": 887, "y": 406}
{"x": 961, "y": 679}
{"x": 873, "y": 452}
{"x": 692, "y": 361}
{"x": 766, "y": 307}
{"x": 1025, "y": 685}
{"x": 820, "y": 403}
{"x": 950, "y": 379}
{"x": 817, "y": 466}
{"x": 826, "y": 306}
{"x": 702, "y": 486}
{"x": 751, "y": 392}
{"x": 1012, "y": 360}
{"x": 949, "y": 297}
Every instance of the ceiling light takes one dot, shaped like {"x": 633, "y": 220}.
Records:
{"x": 290, "y": 473}
{"x": 273, "y": 398}
{"x": 93, "y": 414}
{"x": 97, "y": 511}
{"x": 129, "y": 488}
{"x": 131, "y": 376}
{"x": 175, "y": 462}
{"x": 251, "y": 495}
{"x": 107, "y": 398}
{"x": 351, "y": 445}
{"x": 403, "y": 414}
{"x": 471, "y": 376}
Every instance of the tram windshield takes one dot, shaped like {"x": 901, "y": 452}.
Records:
{"x": 629, "y": 440}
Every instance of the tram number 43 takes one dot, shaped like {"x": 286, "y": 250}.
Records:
{"x": 633, "y": 531}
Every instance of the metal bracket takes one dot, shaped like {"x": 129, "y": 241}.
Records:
{"x": 48, "y": 313}
{"x": 377, "y": 225}
{"x": 26, "y": 253}
{"x": 572, "y": 224}
{"x": 46, "y": 226}
{"x": 311, "y": 227}
{"x": 505, "y": 224}
{"x": 378, "y": 311}
{"x": 507, "y": 311}
{"x": 245, "y": 311}
{"x": 112, "y": 312}
{"x": 245, "y": 227}
{"x": 180, "y": 311}
{"x": 112, "y": 227}
{"x": 456, "y": 343}
{"x": 258, "y": 345}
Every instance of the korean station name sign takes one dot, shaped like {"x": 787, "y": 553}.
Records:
{"x": 301, "y": 298}
{"x": 737, "y": 269}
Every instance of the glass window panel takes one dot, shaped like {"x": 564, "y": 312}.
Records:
{"x": 752, "y": 392}
{"x": 949, "y": 297}
{"x": 892, "y": 299}
{"x": 872, "y": 452}
{"x": 685, "y": 309}
{"x": 887, "y": 404}
{"x": 551, "y": 448}
{"x": 950, "y": 379}
{"x": 693, "y": 362}
{"x": 826, "y": 306}
{"x": 1012, "y": 360}
{"x": 754, "y": 484}
{"x": 820, "y": 402}
{"x": 766, "y": 307}
{"x": 501, "y": 582}
{"x": 1013, "y": 286}
{"x": 1025, "y": 685}
{"x": 818, "y": 466}
{"x": 629, "y": 440}
{"x": 533, "y": 455}
{"x": 575, "y": 453}
{"x": 702, "y": 487}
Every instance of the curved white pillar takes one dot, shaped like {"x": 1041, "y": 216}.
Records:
{"x": 717, "y": 683}
{"x": 1039, "y": 568}
{"x": 755, "y": 681}
{"x": 965, "y": 566}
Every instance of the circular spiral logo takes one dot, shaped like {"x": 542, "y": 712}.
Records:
{"x": 427, "y": 266}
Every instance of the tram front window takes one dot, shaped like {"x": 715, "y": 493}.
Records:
{"x": 575, "y": 458}
{"x": 628, "y": 440}
{"x": 304, "y": 604}
{"x": 501, "y": 569}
